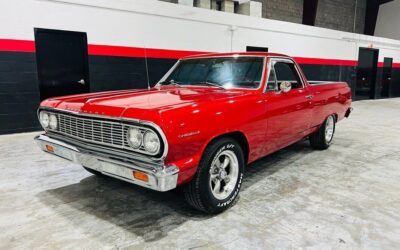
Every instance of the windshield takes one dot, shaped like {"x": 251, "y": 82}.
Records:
{"x": 226, "y": 72}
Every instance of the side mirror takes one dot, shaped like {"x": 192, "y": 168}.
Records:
{"x": 285, "y": 87}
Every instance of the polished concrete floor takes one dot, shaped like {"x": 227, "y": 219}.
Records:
{"x": 346, "y": 197}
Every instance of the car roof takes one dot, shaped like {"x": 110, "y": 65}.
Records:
{"x": 229, "y": 54}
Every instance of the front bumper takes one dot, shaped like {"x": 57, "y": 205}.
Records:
{"x": 160, "y": 177}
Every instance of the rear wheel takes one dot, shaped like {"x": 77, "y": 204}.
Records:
{"x": 322, "y": 138}
{"x": 216, "y": 185}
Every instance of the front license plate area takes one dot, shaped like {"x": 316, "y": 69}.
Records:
{"x": 116, "y": 170}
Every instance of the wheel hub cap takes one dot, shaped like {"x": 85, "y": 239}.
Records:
{"x": 224, "y": 174}
{"x": 329, "y": 128}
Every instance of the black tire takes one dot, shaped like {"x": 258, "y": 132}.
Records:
{"x": 92, "y": 171}
{"x": 318, "y": 139}
{"x": 198, "y": 192}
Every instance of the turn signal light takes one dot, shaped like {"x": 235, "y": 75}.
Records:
{"x": 140, "y": 176}
{"x": 50, "y": 148}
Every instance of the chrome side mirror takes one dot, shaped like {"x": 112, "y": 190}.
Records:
{"x": 285, "y": 87}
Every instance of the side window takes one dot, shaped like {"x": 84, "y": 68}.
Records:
{"x": 285, "y": 71}
{"x": 272, "y": 83}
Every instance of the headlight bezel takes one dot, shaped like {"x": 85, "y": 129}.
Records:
{"x": 142, "y": 147}
{"x": 44, "y": 122}
{"x": 140, "y": 140}
{"x": 52, "y": 118}
{"x": 151, "y": 133}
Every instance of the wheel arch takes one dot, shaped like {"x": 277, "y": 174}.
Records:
{"x": 335, "y": 115}
{"x": 238, "y": 136}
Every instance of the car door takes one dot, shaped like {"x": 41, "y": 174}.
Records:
{"x": 288, "y": 114}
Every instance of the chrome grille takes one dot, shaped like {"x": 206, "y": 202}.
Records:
{"x": 97, "y": 131}
{"x": 105, "y": 131}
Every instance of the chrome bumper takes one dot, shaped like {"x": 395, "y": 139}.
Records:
{"x": 161, "y": 178}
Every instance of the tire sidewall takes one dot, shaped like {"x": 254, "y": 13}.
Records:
{"x": 211, "y": 202}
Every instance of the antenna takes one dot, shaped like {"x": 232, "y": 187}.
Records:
{"x": 147, "y": 67}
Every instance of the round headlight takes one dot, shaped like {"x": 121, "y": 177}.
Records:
{"x": 135, "y": 137}
{"x": 151, "y": 142}
{"x": 44, "y": 119}
{"x": 53, "y": 121}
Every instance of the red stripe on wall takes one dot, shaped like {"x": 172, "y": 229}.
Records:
{"x": 123, "y": 51}
{"x": 106, "y": 50}
{"x": 17, "y": 45}
{"x": 394, "y": 65}
{"x": 307, "y": 60}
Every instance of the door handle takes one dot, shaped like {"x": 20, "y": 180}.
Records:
{"x": 81, "y": 81}
{"x": 309, "y": 97}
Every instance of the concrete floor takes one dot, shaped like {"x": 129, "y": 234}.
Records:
{"x": 346, "y": 197}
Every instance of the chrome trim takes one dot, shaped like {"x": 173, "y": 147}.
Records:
{"x": 313, "y": 83}
{"x": 161, "y": 177}
{"x": 129, "y": 122}
{"x": 232, "y": 56}
{"x": 106, "y": 151}
{"x": 118, "y": 141}
{"x": 281, "y": 59}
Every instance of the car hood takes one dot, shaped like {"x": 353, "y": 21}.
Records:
{"x": 139, "y": 104}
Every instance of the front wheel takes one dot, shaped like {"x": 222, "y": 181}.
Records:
{"x": 217, "y": 182}
{"x": 322, "y": 138}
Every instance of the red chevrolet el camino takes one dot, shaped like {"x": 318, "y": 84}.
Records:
{"x": 205, "y": 120}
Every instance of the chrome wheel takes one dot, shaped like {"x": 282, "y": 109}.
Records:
{"x": 329, "y": 128}
{"x": 224, "y": 174}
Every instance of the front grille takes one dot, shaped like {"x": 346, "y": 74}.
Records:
{"x": 98, "y": 131}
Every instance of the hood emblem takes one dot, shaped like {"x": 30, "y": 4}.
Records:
{"x": 93, "y": 113}
{"x": 189, "y": 134}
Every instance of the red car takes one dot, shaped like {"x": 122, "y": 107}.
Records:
{"x": 207, "y": 118}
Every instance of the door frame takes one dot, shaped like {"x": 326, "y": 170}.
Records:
{"x": 390, "y": 68}
{"x": 373, "y": 88}
{"x": 85, "y": 55}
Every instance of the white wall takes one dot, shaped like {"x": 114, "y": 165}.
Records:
{"x": 388, "y": 21}
{"x": 155, "y": 24}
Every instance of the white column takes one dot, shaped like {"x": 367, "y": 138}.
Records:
{"x": 214, "y": 4}
{"x": 250, "y": 8}
{"x": 206, "y": 4}
{"x": 228, "y": 6}
{"x": 186, "y": 2}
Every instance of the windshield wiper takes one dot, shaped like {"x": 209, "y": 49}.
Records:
{"x": 210, "y": 84}
{"x": 173, "y": 83}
